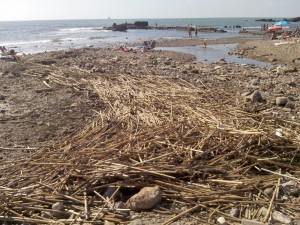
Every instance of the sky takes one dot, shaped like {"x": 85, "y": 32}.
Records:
{"x": 14, "y": 10}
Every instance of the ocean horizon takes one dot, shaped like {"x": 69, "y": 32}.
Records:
{"x": 48, "y": 35}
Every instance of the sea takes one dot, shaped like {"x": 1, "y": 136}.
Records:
{"x": 40, "y": 36}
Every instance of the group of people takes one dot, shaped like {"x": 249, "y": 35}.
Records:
{"x": 264, "y": 27}
{"x": 190, "y": 29}
{"x": 8, "y": 54}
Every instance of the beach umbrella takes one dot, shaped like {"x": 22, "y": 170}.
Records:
{"x": 281, "y": 23}
{"x": 273, "y": 28}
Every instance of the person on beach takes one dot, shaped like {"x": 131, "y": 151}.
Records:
{"x": 196, "y": 32}
{"x": 190, "y": 32}
{"x": 3, "y": 49}
{"x": 273, "y": 36}
{"x": 204, "y": 44}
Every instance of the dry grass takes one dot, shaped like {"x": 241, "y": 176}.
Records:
{"x": 204, "y": 154}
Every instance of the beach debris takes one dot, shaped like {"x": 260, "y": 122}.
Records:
{"x": 221, "y": 221}
{"x": 269, "y": 191}
{"x": 291, "y": 188}
{"x": 281, "y": 218}
{"x": 146, "y": 199}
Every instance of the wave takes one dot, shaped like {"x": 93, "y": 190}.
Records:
{"x": 36, "y": 42}
{"x": 79, "y": 30}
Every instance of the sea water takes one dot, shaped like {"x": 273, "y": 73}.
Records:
{"x": 40, "y": 36}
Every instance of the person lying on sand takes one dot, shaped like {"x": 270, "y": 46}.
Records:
{"x": 9, "y": 55}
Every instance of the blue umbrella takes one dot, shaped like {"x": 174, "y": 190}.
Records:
{"x": 282, "y": 22}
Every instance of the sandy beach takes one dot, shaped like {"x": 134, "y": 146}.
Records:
{"x": 75, "y": 123}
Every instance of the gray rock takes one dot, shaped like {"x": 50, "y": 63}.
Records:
{"x": 254, "y": 82}
{"x": 290, "y": 104}
{"x": 281, "y": 101}
{"x": 136, "y": 222}
{"x": 109, "y": 191}
{"x": 2, "y": 97}
{"x": 291, "y": 188}
{"x": 58, "y": 206}
{"x": 234, "y": 212}
{"x": 281, "y": 218}
{"x": 256, "y": 96}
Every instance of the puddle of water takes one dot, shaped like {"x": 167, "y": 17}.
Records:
{"x": 213, "y": 53}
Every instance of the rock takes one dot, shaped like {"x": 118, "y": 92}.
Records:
{"x": 291, "y": 188}
{"x": 251, "y": 222}
{"x": 188, "y": 66}
{"x": 58, "y": 206}
{"x": 256, "y": 96}
{"x": 2, "y": 97}
{"x": 254, "y": 82}
{"x": 281, "y": 101}
{"x": 221, "y": 220}
{"x": 217, "y": 67}
{"x": 109, "y": 191}
{"x": 290, "y": 104}
{"x": 136, "y": 222}
{"x": 195, "y": 71}
{"x": 281, "y": 218}
{"x": 234, "y": 212}
{"x": 146, "y": 199}
{"x": 268, "y": 191}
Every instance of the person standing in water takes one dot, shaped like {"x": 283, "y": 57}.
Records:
{"x": 196, "y": 32}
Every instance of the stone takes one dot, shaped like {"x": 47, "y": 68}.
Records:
{"x": 217, "y": 67}
{"x": 221, "y": 220}
{"x": 269, "y": 191}
{"x": 188, "y": 66}
{"x": 256, "y": 96}
{"x": 136, "y": 222}
{"x": 290, "y": 188}
{"x": 251, "y": 222}
{"x": 2, "y": 97}
{"x": 109, "y": 191}
{"x": 59, "y": 207}
{"x": 281, "y": 101}
{"x": 254, "y": 82}
{"x": 195, "y": 71}
{"x": 146, "y": 199}
{"x": 234, "y": 212}
{"x": 290, "y": 104}
{"x": 281, "y": 218}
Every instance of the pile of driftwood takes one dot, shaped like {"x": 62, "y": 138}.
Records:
{"x": 203, "y": 154}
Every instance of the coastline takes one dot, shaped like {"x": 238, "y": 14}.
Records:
{"x": 135, "y": 119}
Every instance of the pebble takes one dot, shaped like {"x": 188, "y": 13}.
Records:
{"x": 256, "y": 96}
{"x": 221, "y": 220}
{"x": 234, "y": 212}
{"x": 281, "y": 101}
{"x": 290, "y": 188}
{"x": 281, "y": 218}
{"x": 268, "y": 191}
{"x": 146, "y": 199}
{"x": 58, "y": 206}
{"x": 254, "y": 82}
{"x": 290, "y": 104}
{"x": 109, "y": 191}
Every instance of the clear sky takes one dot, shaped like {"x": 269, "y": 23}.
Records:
{"x": 118, "y": 9}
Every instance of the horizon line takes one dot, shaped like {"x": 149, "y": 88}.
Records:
{"x": 28, "y": 20}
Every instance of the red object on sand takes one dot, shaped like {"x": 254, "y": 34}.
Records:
{"x": 275, "y": 28}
